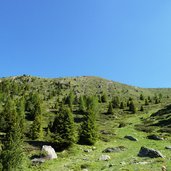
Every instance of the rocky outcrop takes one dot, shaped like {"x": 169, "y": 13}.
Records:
{"x": 148, "y": 152}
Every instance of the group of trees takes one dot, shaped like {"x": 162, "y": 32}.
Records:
{"x": 63, "y": 128}
{"x": 115, "y": 103}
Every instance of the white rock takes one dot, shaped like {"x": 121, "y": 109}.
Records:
{"x": 104, "y": 158}
{"x": 51, "y": 154}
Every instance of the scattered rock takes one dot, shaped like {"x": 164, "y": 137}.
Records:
{"x": 168, "y": 147}
{"x": 147, "y": 152}
{"x": 123, "y": 163}
{"x": 93, "y": 148}
{"x": 155, "y": 137}
{"x": 104, "y": 158}
{"x": 50, "y": 152}
{"x": 84, "y": 166}
{"x": 114, "y": 149}
{"x": 104, "y": 132}
{"x": 105, "y": 139}
{"x": 87, "y": 150}
{"x": 143, "y": 163}
{"x": 130, "y": 138}
{"x": 38, "y": 160}
{"x": 163, "y": 168}
{"x": 111, "y": 165}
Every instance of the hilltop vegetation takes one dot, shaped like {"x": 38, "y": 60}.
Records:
{"x": 80, "y": 117}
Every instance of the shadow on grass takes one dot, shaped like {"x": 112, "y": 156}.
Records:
{"x": 39, "y": 145}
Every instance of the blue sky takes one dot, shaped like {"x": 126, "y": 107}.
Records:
{"x": 120, "y": 40}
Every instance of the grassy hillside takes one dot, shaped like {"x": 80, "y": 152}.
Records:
{"x": 153, "y": 116}
{"x": 82, "y": 85}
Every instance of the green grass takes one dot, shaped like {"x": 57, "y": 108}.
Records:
{"x": 76, "y": 159}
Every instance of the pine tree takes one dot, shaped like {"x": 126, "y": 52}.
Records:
{"x": 132, "y": 107}
{"x": 104, "y": 98}
{"x": 141, "y": 97}
{"x": 88, "y": 134}
{"x": 32, "y": 101}
{"x": 122, "y": 105}
{"x": 142, "y": 108}
{"x": 110, "y": 109}
{"x": 9, "y": 113}
{"x": 57, "y": 104}
{"x": 82, "y": 104}
{"x": 12, "y": 155}
{"x": 116, "y": 102}
{"x": 149, "y": 99}
{"x": 21, "y": 113}
{"x": 63, "y": 128}
{"x": 92, "y": 104}
{"x": 70, "y": 99}
{"x": 37, "y": 129}
{"x": 146, "y": 102}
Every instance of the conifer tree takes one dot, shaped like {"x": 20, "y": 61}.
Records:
{"x": 104, "y": 98}
{"x": 82, "y": 104}
{"x": 12, "y": 155}
{"x": 110, "y": 109}
{"x": 21, "y": 114}
{"x": 63, "y": 128}
{"x": 149, "y": 99}
{"x": 142, "y": 108}
{"x": 122, "y": 105}
{"x": 31, "y": 103}
{"x": 70, "y": 99}
{"x": 146, "y": 102}
{"x": 88, "y": 134}
{"x": 132, "y": 107}
{"x": 141, "y": 97}
{"x": 116, "y": 102}
{"x": 92, "y": 104}
{"x": 37, "y": 129}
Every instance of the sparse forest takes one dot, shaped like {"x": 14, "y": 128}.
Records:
{"x": 80, "y": 117}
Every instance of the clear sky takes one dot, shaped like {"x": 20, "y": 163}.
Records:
{"x": 128, "y": 41}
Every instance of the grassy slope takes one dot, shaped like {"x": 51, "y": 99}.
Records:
{"x": 74, "y": 158}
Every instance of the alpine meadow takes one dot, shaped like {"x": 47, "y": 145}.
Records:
{"x": 91, "y": 123}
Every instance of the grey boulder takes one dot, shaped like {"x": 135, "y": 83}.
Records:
{"x": 50, "y": 152}
{"x": 154, "y": 137}
{"x": 149, "y": 152}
